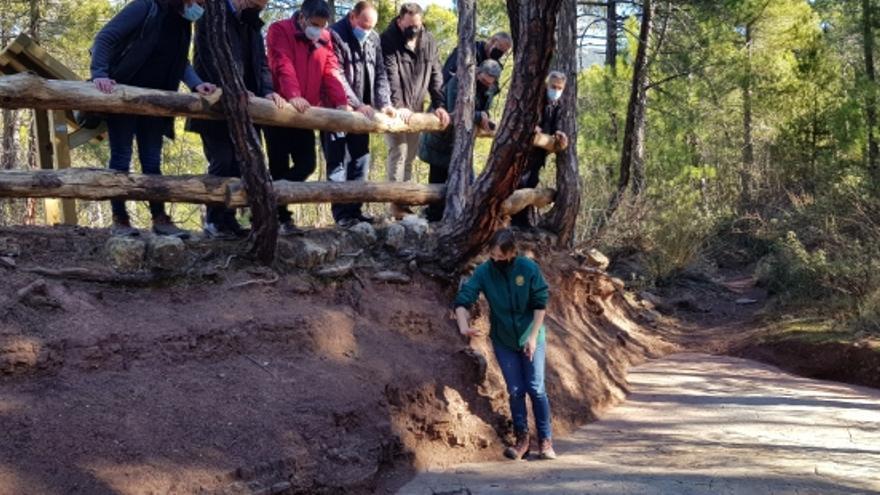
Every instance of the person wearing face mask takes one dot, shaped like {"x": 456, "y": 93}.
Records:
{"x": 549, "y": 124}
{"x": 359, "y": 51}
{"x": 146, "y": 44}
{"x": 435, "y": 148}
{"x": 244, "y": 27}
{"x": 517, "y": 295}
{"x": 306, "y": 73}
{"x": 495, "y": 49}
{"x": 414, "y": 72}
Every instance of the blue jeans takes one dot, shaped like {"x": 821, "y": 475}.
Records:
{"x": 526, "y": 377}
{"x": 149, "y": 132}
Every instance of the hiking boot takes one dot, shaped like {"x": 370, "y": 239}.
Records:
{"x": 214, "y": 231}
{"x": 288, "y": 229}
{"x": 520, "y": 449}
{"x": 546, "y": 450}
{"x": 162, "y": 225}
{"x": 123, "y": 228}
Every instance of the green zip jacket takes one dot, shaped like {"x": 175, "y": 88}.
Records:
{"x": 513, "y": 294}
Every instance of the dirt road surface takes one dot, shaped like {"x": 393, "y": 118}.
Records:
{"x": 701, "y": 424}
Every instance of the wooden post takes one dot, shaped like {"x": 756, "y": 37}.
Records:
{"x": 61, "y": 211}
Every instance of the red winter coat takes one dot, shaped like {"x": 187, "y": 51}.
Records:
{"x": 302, "y": 68}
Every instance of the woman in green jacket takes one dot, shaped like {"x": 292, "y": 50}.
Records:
{"x": 517, "y": 295}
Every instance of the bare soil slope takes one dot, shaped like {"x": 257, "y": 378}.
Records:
{"x": 291, "y": 384}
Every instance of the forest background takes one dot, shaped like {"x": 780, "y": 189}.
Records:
{"x": 760, "y": 147}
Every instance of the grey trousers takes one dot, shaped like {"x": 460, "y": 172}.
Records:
{"x": 402, "y": 149}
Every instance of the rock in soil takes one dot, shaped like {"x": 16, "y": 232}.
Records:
{"x": 339, "y": 269}
{"x": 302, "y": 252}
{"x": 391, "y": 277}
{"x": 365, "y": 233}
{"x": 126, "y": 253}
{"x": 166, "y": 253}
{"x": 395, "y": 236}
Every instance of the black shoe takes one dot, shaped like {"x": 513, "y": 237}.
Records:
{"x": 288, "y": 229}
{"x": 365, "y": 218}
{"x": 123, "y": 229}
{"x": 162, "y": 225}
{"x": 347, "y": 223}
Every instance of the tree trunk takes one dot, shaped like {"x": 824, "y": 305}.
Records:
{"x": 461, "y": 166}
{"x": 9, "y": 140}
{"x": 562, "y": 219}
{"x": 748, "y": 150}
{"x": 102, "y": 184}
{"x": 246, "y": 140}
{"x": 633, "y": 153}
{"x": 533, "y": 25}
{"x": 871, "y": 95}
{"x": 610, "y": 35}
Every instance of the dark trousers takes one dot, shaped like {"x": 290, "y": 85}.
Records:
{"x": 437, "y": 175}
{"x": 122, "y": 130}
{"x": 284, "y": 145}
{"x": 529, "y": 180}
{"x": 348, "y": 159}
{"x": 222, "y": 162}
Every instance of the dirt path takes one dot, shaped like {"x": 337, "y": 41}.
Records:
{"x": 701, "y": 424}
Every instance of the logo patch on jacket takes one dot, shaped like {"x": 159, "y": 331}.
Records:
{"x": 520, "y": 280}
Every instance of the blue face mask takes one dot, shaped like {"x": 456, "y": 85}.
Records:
{"x": 360, "y": 34}
{"x": 193, "y": 12}
{"x": 553, "y": 94}
{"x": 313, "y": 32}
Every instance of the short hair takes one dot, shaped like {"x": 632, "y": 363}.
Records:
{"x": 503, "y": 36}
{"x": 490, "y": 67}
{"x": 556, "y": 75}
{"x": 361, "y": 6}
{"x": 315, "y": 8}
{"x": 410, "y": 8}
{"x": 505, "y": 240}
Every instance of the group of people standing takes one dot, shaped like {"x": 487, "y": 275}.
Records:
{"x": 303, "y": 62}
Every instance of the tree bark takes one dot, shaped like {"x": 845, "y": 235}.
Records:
{"x": 633, "y": 153}
{"x": 246, "y": 140}
{"x": 101, "y": 184}
{"x": 610, "y": 35}
{"x": 562, "y": 218}
{"x": 871, "y": 95}
{"x": 533, "y": 25}
{"x": 8, "y": 140}
{"x": 748, "y": 150}
{"x": 461, "y": 166}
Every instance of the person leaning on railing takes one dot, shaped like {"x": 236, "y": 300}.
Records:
{"x": 147, "y": 45}
{"x": 359, "y": 51}
{"x": 305, "y": 72}
{"x": 244, "y": 26}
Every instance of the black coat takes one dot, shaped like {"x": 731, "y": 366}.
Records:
{"x": 412, "y": 74}
{"x": 352, "y": 55}
{"x": 245, "y": 36}
{"x": 549, "y": 122}
{"x": 125, "y": 43}
{"x": 451, "y": 64}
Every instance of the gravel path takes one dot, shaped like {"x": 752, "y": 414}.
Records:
{"x": 701, "y": 424}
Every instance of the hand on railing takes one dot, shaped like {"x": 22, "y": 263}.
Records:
{"x": 277, "y": 100}
{"x": 206, "y": 89}
{"x": 300, "y": 104}
{"x": 104, "y": 84}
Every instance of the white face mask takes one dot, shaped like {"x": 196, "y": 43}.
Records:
{"x": 313, "y": 32}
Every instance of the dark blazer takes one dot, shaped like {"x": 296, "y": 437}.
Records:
{"x": 351, "y": 55}
{"x": 412, "y": 74}
{"x": 245, "y": 36}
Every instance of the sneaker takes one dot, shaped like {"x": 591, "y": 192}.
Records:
{"x": 288, "y": 229}
{"x": 123, "y": 228}
{"x": 546, "y": 450}
{"x": 164, "y": 226}
{"x": 213, "y": 231}
{"x": 520, "y": 449}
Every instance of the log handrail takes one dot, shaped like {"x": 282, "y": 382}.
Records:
{"x": 102, "y": 184}
{"x": 31, "y": 91}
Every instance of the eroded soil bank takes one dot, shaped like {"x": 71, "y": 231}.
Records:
{"x": 226, "y": 378}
